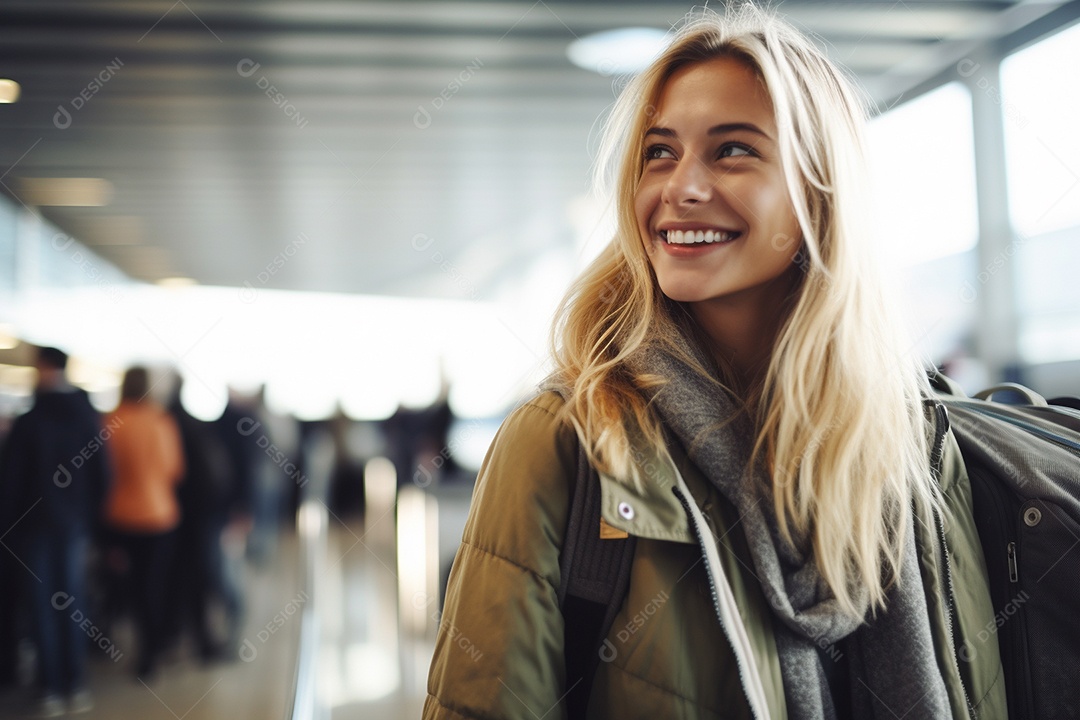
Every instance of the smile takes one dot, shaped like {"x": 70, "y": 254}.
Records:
{"x": 692, "y": 237}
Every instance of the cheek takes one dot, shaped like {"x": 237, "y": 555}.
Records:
{"x": 645, "y": 201}
{"x": 787, "y": 225}
{"x": 768, "y": 207}
{"x": 772, "y": 200}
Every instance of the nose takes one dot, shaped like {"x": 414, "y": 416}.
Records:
{"x": 691, "y": 182}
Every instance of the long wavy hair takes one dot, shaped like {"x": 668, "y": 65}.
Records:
{"x": 838, "y": 412}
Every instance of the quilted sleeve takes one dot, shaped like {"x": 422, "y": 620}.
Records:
{"x": 499, "y": 652}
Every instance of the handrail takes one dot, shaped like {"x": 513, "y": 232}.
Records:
{"x": 311, "y": 522}
{"x": 311, "y": 525}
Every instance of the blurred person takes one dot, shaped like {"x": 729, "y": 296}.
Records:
{"x": 196, "y": 580}
{"x": 419, "y": 441}
{"x": 10, "y": 608}
{"x": 142, "y": 510}
{"x": 276, "y": 470}
{"x": 436, "y": 462}
{"x": 347, "y": 488}
{"x": 239, "y": 433}
{"x": 54, "y": 473}
{"x": 735, "y": 390}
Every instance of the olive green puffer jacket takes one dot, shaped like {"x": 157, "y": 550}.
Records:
{"x": 499, "y": 652}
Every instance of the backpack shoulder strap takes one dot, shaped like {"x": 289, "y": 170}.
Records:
{"x": 595, "y": 579}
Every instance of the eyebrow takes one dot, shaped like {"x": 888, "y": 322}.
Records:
{"x": 714, "y": 130}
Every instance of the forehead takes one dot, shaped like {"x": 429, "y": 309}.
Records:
{"x": 719, "y": 90}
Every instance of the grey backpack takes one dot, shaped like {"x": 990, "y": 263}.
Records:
{"x": 1024, "y": 463}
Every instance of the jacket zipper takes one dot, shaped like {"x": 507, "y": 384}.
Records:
{"x": 1014, "y": 575}
{"x": 941, "y": 427}
{"x": 739, "y": 659}
{"x": 952, "y": 611}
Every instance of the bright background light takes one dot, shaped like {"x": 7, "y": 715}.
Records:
{"x": 9, "y": 91}
{"x": 922, "y": 162}
{"x": 1040, "y": 103}
{"x": 923, "y": 170}
{"x": 315, "y": 351}
{"x": 1040, "y": 100}
{"x": 617, "y": 52}
{"x": 925, "y": 217}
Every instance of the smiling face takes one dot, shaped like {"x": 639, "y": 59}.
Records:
{"x": 711, "y": 204}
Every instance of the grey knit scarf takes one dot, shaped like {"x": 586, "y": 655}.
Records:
{"x": 891, "y": 659}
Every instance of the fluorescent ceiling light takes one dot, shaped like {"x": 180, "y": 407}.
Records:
{"x": 617, "y": 52}
{"x": 65, "y": 192}
{"x": 9, "y": 90}
{"x": 177, "y": 282}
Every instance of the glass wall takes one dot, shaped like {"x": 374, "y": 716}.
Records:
{"x": 37, "y": 256}
{"x": 923, "y": 171}
{"x": 924, "y": 176}
{"x": 1041, "y": 104}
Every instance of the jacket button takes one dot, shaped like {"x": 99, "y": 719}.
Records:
{"x": 626, "y": 511}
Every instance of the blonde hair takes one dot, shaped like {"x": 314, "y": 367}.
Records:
{"x": 838, "y": 413}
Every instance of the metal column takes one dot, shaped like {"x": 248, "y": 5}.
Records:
{"x": 997, "y": 327}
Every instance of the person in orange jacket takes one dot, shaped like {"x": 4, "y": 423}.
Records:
{"x": 142, "y": 510}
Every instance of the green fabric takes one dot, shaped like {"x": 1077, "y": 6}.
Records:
{"x": 968, "y": 660}
{"x": 657, "y": 513}
{"x": 979, "y": 659}
{"x": 724, "y": 520}
{"x": 499, "y": 653}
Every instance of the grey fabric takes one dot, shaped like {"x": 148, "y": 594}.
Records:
{"x": 1035, "y": 464}
{"x": 893, "y": 669}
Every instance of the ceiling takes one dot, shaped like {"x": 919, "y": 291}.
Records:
{"x": 422, "y": 149}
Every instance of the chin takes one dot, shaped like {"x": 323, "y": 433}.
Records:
{"x": 682, "y": 293}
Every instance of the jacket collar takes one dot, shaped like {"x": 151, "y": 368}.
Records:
{"x": 651, "y": 509}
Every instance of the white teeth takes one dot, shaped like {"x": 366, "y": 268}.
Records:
{"x": 688, "y": 237}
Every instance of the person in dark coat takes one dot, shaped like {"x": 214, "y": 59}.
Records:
{"x": 197, "y": 579}
{"x": 53, "y": 477}
{"x": 233, "y": 518}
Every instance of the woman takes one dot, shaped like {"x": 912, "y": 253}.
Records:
{"x": 142, "y": 511}
{"x": 735, "y": 375}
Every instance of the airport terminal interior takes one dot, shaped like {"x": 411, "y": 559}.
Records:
{"x": 335, "y": 233}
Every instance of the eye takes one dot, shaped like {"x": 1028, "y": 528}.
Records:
{"x": 658, "y": 152}
{"x": 735, "y": 150}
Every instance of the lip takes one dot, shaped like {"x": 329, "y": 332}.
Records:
{"x": 675, "y": 225}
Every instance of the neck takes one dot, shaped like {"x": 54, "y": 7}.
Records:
{"x": 742, "y": 328}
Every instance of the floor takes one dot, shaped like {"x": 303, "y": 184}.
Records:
{"x": 366, "y": 667}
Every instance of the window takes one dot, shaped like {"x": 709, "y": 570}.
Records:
{"x": 922, "y": 166}
{"x": 1041, "y": 103}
